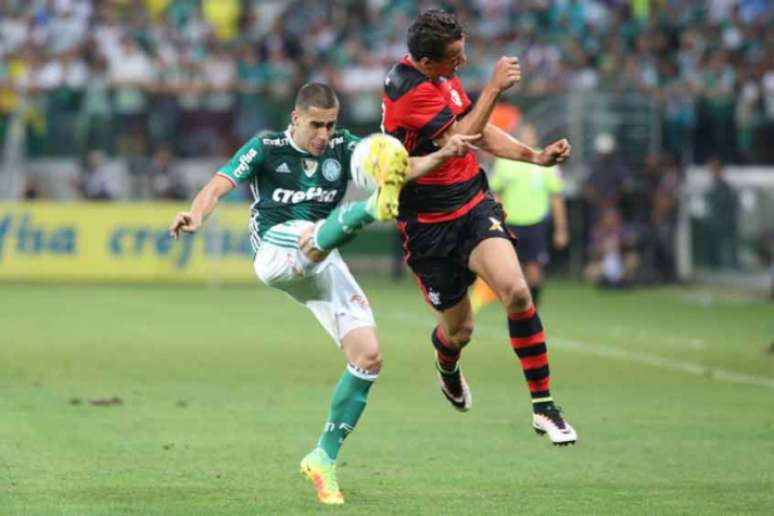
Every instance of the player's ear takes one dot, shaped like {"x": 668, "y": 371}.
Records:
{"x": 294, "y": 117}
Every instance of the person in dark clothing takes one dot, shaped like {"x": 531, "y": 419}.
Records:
{"x": 723, "y": 205}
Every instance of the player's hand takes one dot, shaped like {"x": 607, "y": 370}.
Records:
{"x": 557, "y": 152}
{"x": 184, "y": 222}
{"x": 507, "y": 73}
{"x": 459, "y": 145}
{"x": 306, "y": 244}
{"x": 561, "y": 238}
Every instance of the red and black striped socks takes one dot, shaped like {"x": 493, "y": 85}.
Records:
{"x": 446, "y": 357}
{"x": 529, "y": 343}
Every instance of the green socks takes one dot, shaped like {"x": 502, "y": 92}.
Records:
{"x": 343, "y": 222}
{"x": 348, "y": 402}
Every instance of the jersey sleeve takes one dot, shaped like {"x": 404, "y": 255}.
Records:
{"x": 244, "y": 164}
{"x": 554, "y": 183}
{"x": 350, "y": 140}
{"x": 467, "y": 99}
{"x": 427, "y": 112}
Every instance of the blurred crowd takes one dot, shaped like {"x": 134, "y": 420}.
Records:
{"x": 151, "y": 81}
{"x": 127, "y": 76}
{"x": 630, "y": 218}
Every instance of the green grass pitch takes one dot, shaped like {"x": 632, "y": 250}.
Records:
{"x": 211, "y": 396}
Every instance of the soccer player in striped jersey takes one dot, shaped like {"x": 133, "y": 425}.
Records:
{"x": 298, "y": 178}
{"x": 453, "y": 229}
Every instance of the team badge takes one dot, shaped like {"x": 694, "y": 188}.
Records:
{"x": 310, "y": 166}
{"x": 496, "y": 225}
{"x": 456, "y": 97}
{"x": 434, "y": 297}
{"x": 359, "y": 300}
{"x": 331, "y": 169}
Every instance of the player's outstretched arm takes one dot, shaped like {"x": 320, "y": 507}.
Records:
{"x": 457, "y": 145}
{"x": 507, "y": 73}
{"x": 203, "y": 204}
{"x": 503, "y": 145}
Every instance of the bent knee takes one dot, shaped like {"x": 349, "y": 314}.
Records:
{"x": 515, "y": 295}
{"x": 460, "y": 336}
{"x": 370, "y": 361}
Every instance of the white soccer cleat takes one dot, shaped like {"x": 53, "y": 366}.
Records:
{"x": 550, "y": 421}
{"x": 455, "y": 388}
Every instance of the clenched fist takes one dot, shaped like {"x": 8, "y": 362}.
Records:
{"x": 507, "y": 73}
{"x": 557, "y": 152}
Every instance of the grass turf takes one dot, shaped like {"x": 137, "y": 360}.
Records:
{"x": 211, "y": 396}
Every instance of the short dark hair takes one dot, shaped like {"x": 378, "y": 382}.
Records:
{"x": 431, "y": 32}
{"x": 316, "y": 94}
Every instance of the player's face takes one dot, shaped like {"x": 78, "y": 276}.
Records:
{"x": 453, "y": 60}
{"x": 313, "y": 128}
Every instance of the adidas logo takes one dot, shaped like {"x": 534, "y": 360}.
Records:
{"x": 283, "y": 169}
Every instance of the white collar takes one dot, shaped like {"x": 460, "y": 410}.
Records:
{"x": 292, "y": 143}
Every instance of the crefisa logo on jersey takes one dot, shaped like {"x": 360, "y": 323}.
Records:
{"x": 244, "y": 163}
{"x": 331, "y": 169}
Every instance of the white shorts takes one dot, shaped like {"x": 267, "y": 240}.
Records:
{"x": 327, "y": 288}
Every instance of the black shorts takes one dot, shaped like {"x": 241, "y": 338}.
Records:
{"x": 533, "y": 242}
{"x": 438, "y": 253}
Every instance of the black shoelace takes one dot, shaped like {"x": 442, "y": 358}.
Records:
{"x": 553, "y": 413}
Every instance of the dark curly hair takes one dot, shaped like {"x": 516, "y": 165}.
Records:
{"x": 431, "y": 32}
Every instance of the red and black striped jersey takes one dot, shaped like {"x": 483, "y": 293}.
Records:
{"x": 417, "y": 110}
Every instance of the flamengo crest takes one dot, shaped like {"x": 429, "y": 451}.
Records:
{"x": 455, "y": 96}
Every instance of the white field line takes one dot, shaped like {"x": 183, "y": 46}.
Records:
{"x": 608, "y": 352}
{"x": 681, "y": 366}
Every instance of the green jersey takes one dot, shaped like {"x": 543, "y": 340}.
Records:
{"x": 525, "y": 190}
{"x": 288, "y": 183}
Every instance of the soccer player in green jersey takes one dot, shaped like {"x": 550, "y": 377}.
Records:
{"x": 298, "y": 178}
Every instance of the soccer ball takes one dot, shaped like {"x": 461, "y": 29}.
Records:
{"x": 371, "y": 155}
